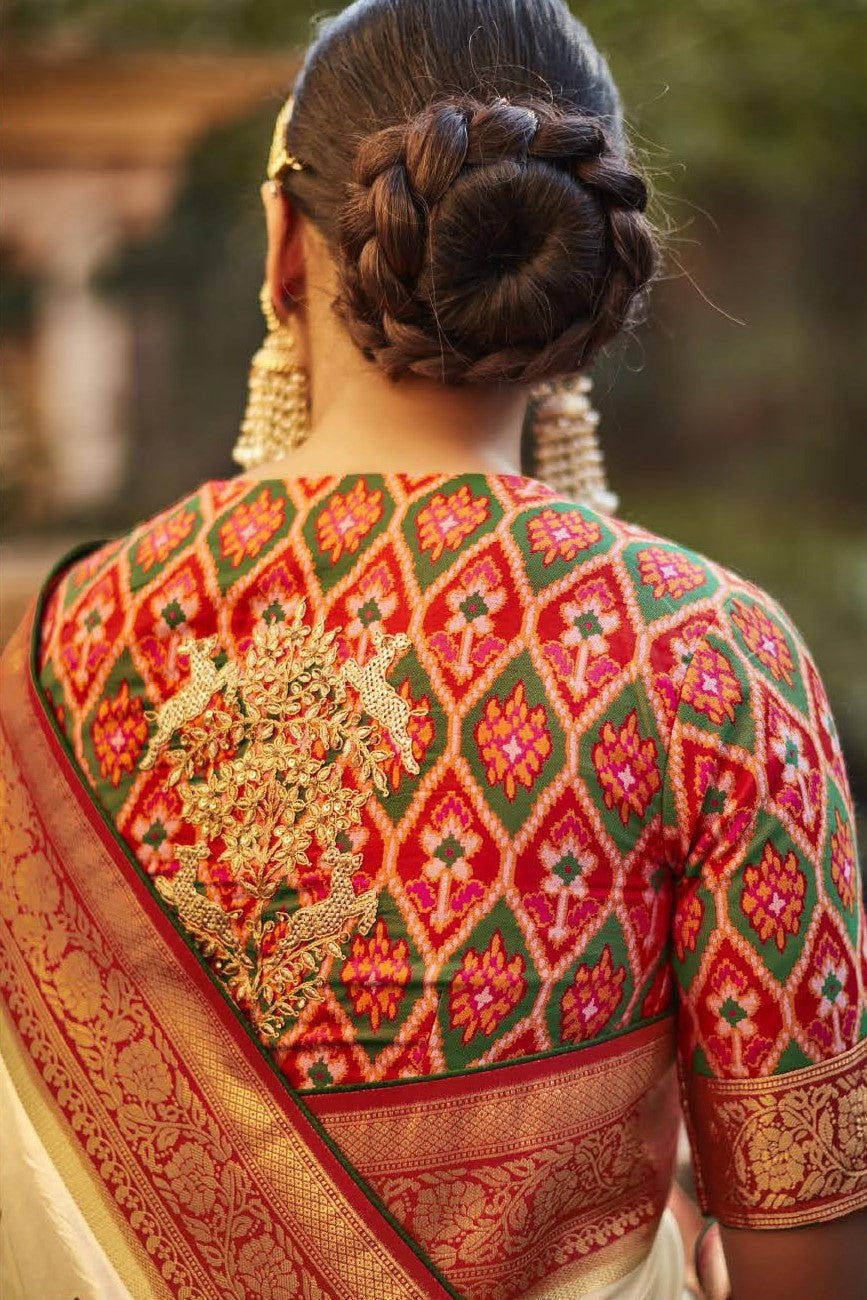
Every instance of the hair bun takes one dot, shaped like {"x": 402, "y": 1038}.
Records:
{"x": 485, "y": 241}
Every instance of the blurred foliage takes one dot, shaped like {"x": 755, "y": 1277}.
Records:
{"x": 734, "y": 420}
{"x": 777, "y": 85}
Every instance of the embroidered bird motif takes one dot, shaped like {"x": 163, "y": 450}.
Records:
{"x": 205, "y": 919}
{"x": 327, "y": 918}
{"x": 258, "y": 782}
{"x": 193, "y": 697}
{"x": 379, "y": 697}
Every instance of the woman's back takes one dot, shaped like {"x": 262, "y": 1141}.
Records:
{"x": 380, "y": 841}
{"x": 605, "y": 789}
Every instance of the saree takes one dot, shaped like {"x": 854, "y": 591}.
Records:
{"x": 568, "y": 877}
{"x": 196, "y": 1171}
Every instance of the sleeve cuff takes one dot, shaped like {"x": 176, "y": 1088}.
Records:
{"x": 782, "y": 1151}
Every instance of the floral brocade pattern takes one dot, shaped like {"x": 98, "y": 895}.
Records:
{"x": 616, "y": 788}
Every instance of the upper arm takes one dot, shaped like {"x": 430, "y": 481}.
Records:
{"x": 808, "y": 1263}
{"x": 768, "y": 942}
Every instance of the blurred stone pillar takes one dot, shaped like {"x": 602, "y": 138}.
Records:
{"x": 83, "y": 367}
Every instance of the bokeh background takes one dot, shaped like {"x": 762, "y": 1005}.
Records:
{"x": 135, "y": 137}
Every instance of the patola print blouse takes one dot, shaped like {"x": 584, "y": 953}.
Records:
{"x": 441, "y": 774}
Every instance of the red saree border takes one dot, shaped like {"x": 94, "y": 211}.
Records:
{"x": 469, "y": 1171}
{"x": 176, "y": 1110}
{"x": 782, "y": 1151}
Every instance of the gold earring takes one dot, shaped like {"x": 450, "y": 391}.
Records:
{"x": 277, "y": 418}
{"x": 566, "y": 451}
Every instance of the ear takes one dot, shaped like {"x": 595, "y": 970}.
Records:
{"x": 284, "y": 262}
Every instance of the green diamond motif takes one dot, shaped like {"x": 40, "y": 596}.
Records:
{"x": 172, "y": 615}
{"x": 567, "y": 869}
{"x": 732, "y": 1012}
{"x": 344, "y": 524}
{"x": 154, "y": 835}
{"x": 588, "y": 625}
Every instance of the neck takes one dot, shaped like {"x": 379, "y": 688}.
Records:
{"x": 362, "y": 422}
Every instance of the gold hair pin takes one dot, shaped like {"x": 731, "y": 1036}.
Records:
{"x": 279, "y": 161}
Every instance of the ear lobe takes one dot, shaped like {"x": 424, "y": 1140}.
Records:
{"x": 285, "y": 262}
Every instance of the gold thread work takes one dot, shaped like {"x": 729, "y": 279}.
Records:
{"x": 785, "y": 1150}
{"x": 261, "y": 754}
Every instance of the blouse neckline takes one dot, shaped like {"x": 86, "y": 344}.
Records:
{"x": 444, "y": 476}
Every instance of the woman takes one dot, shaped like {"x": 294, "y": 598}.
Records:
{"x": 385, "y": 827}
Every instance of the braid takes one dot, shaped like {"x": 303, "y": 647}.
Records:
{"x": 429, "y": 285}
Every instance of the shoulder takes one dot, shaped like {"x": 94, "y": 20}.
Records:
{"x": 660, "y": 582}
{"x": 91, "y": 606}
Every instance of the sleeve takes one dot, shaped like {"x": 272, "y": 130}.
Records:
{"x": 768, "y": 940}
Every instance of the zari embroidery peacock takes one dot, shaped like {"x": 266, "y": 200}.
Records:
{"x": 262, "y": 761}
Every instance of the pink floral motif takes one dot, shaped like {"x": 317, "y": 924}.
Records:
{"x": 798, "y": 788}
{"x": 449, "y": 843}
{"x": 843, "y": 860}
{"x": 468, "y": 641}
{"x": 250, "y": 527}
{"x": 345, "y": 521}
{"x": 626, "y": 768}
{"x": 158, "y": 542}
{"x": 376, "y": 974}
{"x": 568, "y": 860}
{"x": 764, "y": 639}
{"x": 561, "y": 535}
{"x": 371, "y": 603}
{"x": 710, "y": 685}
{"x": 592, "y": 998}
{"x": 487, "y": 986}
{"x": 829, "y": 985}
{"x": 276, "y": 597}
{"x": 172, "y": 609}
{"x": 513, "y": 741}
{"x": 86, "y": 640}
{"x": 580, "y": 656}
{"x": 119, "y": 733}
{"x": 773, "y": 896}
{"x": 447, "y": 520}
{"x": 155, "y": 830}
{"x": 669, "y": 573}
{"x": 733, "y": 1003}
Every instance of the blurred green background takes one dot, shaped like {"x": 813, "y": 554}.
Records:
{"x": 733, "y": 421}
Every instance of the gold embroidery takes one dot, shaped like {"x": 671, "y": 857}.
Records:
{"x": 786, "y": 1150}
{"x": 187, "y": 703}
{"x": 262, "y": 751}
{"x": 194, "y": 1176}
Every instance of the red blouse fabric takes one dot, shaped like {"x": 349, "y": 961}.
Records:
{"x": 630, "y": 799}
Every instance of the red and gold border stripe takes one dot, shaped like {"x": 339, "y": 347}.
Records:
{"x": 214, "y": 1179}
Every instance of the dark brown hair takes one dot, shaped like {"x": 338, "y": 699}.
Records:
{"x": 465, "y": 160}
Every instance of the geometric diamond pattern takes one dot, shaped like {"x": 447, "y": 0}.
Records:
{"x": 624, "y": 752}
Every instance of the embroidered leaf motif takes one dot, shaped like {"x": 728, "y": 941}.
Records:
{"x": 262, "y": 753}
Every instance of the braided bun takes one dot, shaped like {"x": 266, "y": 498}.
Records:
{"x": 496, "y": 241}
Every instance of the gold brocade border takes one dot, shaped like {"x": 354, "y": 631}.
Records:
{"x": 561, "y": 1172}
{"x": 142, "y": 1282}
{"x": 782, "y": 1151}
{"x": 213, "y": 1188}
